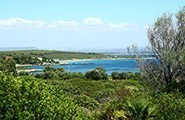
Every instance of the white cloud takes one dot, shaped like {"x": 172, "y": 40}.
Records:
{"x": 13, "y": 22}
{"x": 20, "y": 21}
{"x": 62, "y": 23}
{"x": 93, "y": 21}
{"x": 90, "y": 21}
{"x": 124, "y": 26}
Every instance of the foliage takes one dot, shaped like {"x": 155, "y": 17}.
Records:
{"x": 171, "y": 106}
{"x": 87, "y": 102}
{"x": 140, "y": 110}
{"x": 124, "y": 75}
{"x": 22, "y": 73}
{"x": 114, "y": 110}
{"x": 8, "y": 66}
{"x": 176, "y": 87}
{"x": 26, "y": 97}
{"x": 24, "y": 59}
{"x": 167, "y": 47}
{"x": 98, "y": 98}
{"x": 98, "y": 74}
{"x": 30, "y": 99}
{"x": 58, "y": 73}
{"x": 31, "y": 56}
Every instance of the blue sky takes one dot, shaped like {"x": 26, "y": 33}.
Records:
{"x": 80, "y": 24}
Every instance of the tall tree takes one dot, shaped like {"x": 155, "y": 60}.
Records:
{"x": 167, "y": 45}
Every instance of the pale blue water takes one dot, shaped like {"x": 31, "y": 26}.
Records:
{"x": 120, "y": 65}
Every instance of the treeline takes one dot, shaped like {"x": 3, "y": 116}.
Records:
{"x": 97, "y": 74}
{"x": 53, "y": 54}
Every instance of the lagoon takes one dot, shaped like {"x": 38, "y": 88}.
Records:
{"x": 110, "y": 65}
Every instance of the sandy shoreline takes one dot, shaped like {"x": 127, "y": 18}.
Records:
{"x": 63, "y": 62}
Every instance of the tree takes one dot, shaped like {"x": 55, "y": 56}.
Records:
{"x": 8, "y": 66}
{"x": 167, "y": 47}
{"x": 98, "y": 74}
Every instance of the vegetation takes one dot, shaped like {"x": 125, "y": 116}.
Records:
{"x": 22, "y": 98}
{"x": 8, "y": 66}
{"x": 167, "y": 45}
{"x": 40, "y": 56}
{"x": 98, "y": 74}
{"x": 124, "y": 75}
{"x": 56, "y": 94}
{"x": 58, "y": 73}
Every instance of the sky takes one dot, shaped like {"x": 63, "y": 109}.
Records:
{"x": 80, "y": 24}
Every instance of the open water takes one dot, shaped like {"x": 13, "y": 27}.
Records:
{"x": 120, "y": 65}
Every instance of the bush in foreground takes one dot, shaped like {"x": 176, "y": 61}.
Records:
{"x": 22, "y": 98}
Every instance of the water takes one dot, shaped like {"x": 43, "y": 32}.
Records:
{"x": 120, "y": 65}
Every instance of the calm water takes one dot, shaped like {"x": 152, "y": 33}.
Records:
{"x": 122, "y": 65}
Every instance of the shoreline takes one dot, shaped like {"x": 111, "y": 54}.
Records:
{"x": 66, "y": 62}
{"x": 30, "y": 67}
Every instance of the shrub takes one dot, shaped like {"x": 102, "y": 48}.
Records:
{"x": 39, "y": 75}
{"x": 119, "y": 75}
{"x": 58, "y": 73}
{"x": 124, "y": 75}
{"x": 176, "y": 87}
{"x": 140, "y": 109}
{"x": 86, "y": 102}
{"x": 22, "y": 73}
{"x": 98, "y": 74}
{"x": 110, "y": 111}
{"x": 171, "y": 106}
{"x": 22, "y": 98}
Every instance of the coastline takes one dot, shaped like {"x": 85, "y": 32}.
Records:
{"x": 64, "y": 62}
{"x": 61, "y": 62}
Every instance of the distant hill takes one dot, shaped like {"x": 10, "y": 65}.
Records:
{"x": 52, "y": 54}
{"x": 17, "y": 48}
{"x": 109, "y": 51}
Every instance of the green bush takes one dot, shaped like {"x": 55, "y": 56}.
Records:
{"x": 124, "y": 75}
{"x": 86, "y": 102}
{"x": 22, "y": 98}
{"x": 119, "y": 75}
{"x": 171, "y": 106}
{"x": 109, "y": 111}
{"x": 140, "y": 109}
{"x": 58, "y": 73}
{"x": 8, "y": 66}
{"x": 98, "y": 74}
{"x": 176, "y": 87}
{"x": 22, "y": 73}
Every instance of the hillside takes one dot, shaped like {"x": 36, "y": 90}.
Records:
{"x": 53, "y": 54}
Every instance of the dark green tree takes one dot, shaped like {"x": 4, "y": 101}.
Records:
{"x": 8, "y": 66}
{"x": 98, "y": 74}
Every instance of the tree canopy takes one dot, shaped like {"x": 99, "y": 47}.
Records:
{"x": 167, "y": 46}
